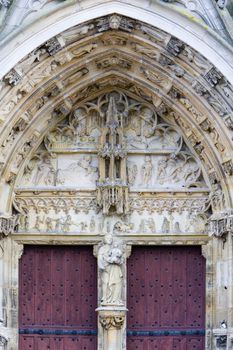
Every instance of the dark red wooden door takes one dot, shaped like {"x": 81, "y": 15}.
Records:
{"x": 166, "y": 298}
{"x": 58, "y": 297}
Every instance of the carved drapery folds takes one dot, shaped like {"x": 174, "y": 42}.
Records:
{"x": 111, "y": 257}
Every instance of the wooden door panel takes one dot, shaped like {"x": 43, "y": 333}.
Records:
{"x": 26, "y": 342}
{"x": 58, "y": 297}
{"x": 166, "y": 297}
{"x": 42, "y": 343}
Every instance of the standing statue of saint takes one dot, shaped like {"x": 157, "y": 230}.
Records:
{"x": 110, "y": 259}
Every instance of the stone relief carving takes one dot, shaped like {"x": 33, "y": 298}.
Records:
{"x": 181, "y": 168}
{"x": 164, "y": 171}
{"x": 220, "y": 224}
{"x": 109, "y": 321}
{"x": 146, "y": 171}
{"x": 114, "y": 61}
{"x": 110, "y": 259}
{"x": 79, "y": 214}
{"x": 98, "y": 142}
{"x": 154, "y": 34}
{"x": 115, "y": 22}
{"x": 213, "y": 77}
{"x": 85, "y": 166}
{"x": 41, "y": 171}
{"x": 8, "y": 225}
{"x": 158, "y": 79}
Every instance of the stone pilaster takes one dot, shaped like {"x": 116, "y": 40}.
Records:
{"x": 10, "y": 252}
{"x": 207, "y": 252}
{"x": 221, "y": 228}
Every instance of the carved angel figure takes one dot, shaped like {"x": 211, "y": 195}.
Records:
{"x": 110, "y": 259}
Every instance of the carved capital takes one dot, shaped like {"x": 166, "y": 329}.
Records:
{"x": 112, "y": 321}
{"x": 112, "y": 318}
{"x": 221, "y": 224}
{"x": 8, "y": 225}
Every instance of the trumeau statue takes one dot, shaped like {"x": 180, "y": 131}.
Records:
{"x": 110, "y": 260}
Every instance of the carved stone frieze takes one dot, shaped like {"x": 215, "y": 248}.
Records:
{"x": 78, "y": 214}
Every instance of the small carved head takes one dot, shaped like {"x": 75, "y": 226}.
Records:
{"x": 108, "y": 239}
{"x": 114, "y": 22}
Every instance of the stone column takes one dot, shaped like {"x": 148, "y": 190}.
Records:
{"x": 207, "y": 252}
{"x": 112, "y": 254}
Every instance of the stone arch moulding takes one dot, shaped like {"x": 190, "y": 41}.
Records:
{"x": 193, "y": 32}
{"x": 155, "y": 65}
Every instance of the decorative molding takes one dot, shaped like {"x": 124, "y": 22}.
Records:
{"x": 112, "y": 321}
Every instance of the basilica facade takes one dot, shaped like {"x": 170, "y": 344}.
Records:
{"x": 116, "y": 184}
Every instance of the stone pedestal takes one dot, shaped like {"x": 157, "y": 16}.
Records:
{"x": 112, "y": 326}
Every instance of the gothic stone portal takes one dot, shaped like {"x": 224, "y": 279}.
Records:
{"x": 58, "y": 293}
{"x": 116, "y": 166}
{"x": 166, "y": 298}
